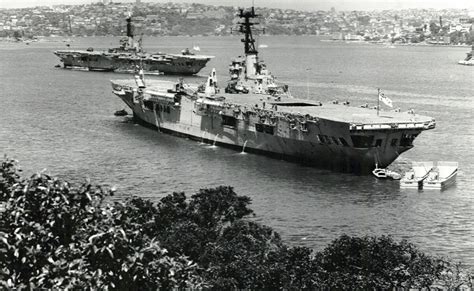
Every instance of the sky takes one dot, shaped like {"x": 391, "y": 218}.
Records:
{"x": 285, "y": 4}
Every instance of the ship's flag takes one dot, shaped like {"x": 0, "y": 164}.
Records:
{"x": 387, "y": 101}
{"x": 196, "y": 48}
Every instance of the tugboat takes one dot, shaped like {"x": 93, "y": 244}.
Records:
{"x": 258, "y": 114}
{"x": 129, "y": 55}
{"x": 469, "y": 60}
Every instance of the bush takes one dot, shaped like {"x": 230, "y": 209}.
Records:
{"x": 54, "y": 235}
{"x": 376, "y": 262}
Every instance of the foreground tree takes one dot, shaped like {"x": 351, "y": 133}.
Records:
{"x": 377, "y": 262}
{"x": 54, "y": 235}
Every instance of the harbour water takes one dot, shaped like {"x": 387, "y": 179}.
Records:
{"x": 63, "y": 120}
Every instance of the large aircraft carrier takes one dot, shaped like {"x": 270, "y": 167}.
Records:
{"x": 256, "y": 113}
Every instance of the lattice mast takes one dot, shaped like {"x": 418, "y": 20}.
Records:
{"x": 251, "y": 53}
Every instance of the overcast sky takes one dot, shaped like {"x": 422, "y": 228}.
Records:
{"x": 293, "y": 4}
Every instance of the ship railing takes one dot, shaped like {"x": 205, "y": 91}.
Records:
{"x": 158, "y": 96}
{"x": 412, "y": 125}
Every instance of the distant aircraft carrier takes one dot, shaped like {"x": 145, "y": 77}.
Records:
{"x": 130, "y": 55}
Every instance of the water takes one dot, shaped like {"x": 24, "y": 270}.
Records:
{"x": 63, "y": 120}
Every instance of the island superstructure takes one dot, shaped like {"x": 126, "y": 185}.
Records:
{"x": 256, "y": 113}
{"x": 130, "y": 54}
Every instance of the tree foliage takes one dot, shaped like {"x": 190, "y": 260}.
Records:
{"x": 54, "y": 235}
{"x": 377, "y": 262}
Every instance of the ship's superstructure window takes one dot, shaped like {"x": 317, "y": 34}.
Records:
{"x": 394, "y": 142}
{"x": 326, "y": 139}
{"x": 407, "y": 139}
{"x": 343, "y": 142}
{"x": 264, "y": 128}
{"x": 320, "y": 138}
{"x": 304, "y": 127}
{"x": 268, "y": 128}
{"x": 162, "y": 108}
{"x": 148, "y": 105}
{"x": 323, "y": 139}
{"x": 229, "y": 121}
{"x": 362, "y": 141}
{"x": 335, "y": 140}
{"x": 378, "y": 142}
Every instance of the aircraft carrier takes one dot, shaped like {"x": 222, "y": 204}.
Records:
{"x": 256, "y": 114}
{"x": 130, "y": 55}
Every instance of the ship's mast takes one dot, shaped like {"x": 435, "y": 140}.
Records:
{"x": 251, "y": 53}
{"x": 129, "y": 31}
{"x": 246, "y": 29}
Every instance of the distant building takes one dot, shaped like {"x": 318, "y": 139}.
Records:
{"x": 194, "y": 15}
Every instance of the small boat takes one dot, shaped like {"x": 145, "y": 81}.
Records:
{"x": 122, "y": 112}
{"x": 442, "y": 176}
{"x": 414, "y": 177}
{"x": 385, "y": 173}
{"x": 469, "y": 60}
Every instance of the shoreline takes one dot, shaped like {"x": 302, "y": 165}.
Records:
{"x": 59, "y": 39}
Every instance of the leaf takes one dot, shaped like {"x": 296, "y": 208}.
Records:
{"x": 110, "y": 252}
{"x": 60, "y": 281}
{"x": 4, "y": 240}
{"x": 123, "y": 233}
{"x": 93, "y": 237}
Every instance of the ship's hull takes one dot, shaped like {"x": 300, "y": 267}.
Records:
{"x": 166, "y": 64}
{"x": 284, "y": 142}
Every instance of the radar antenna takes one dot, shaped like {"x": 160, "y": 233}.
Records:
{"x": 245, "y": 27}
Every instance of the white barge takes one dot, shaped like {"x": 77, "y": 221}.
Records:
{"x": 442, "y": 176}
{"x": 416, "y": 175}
